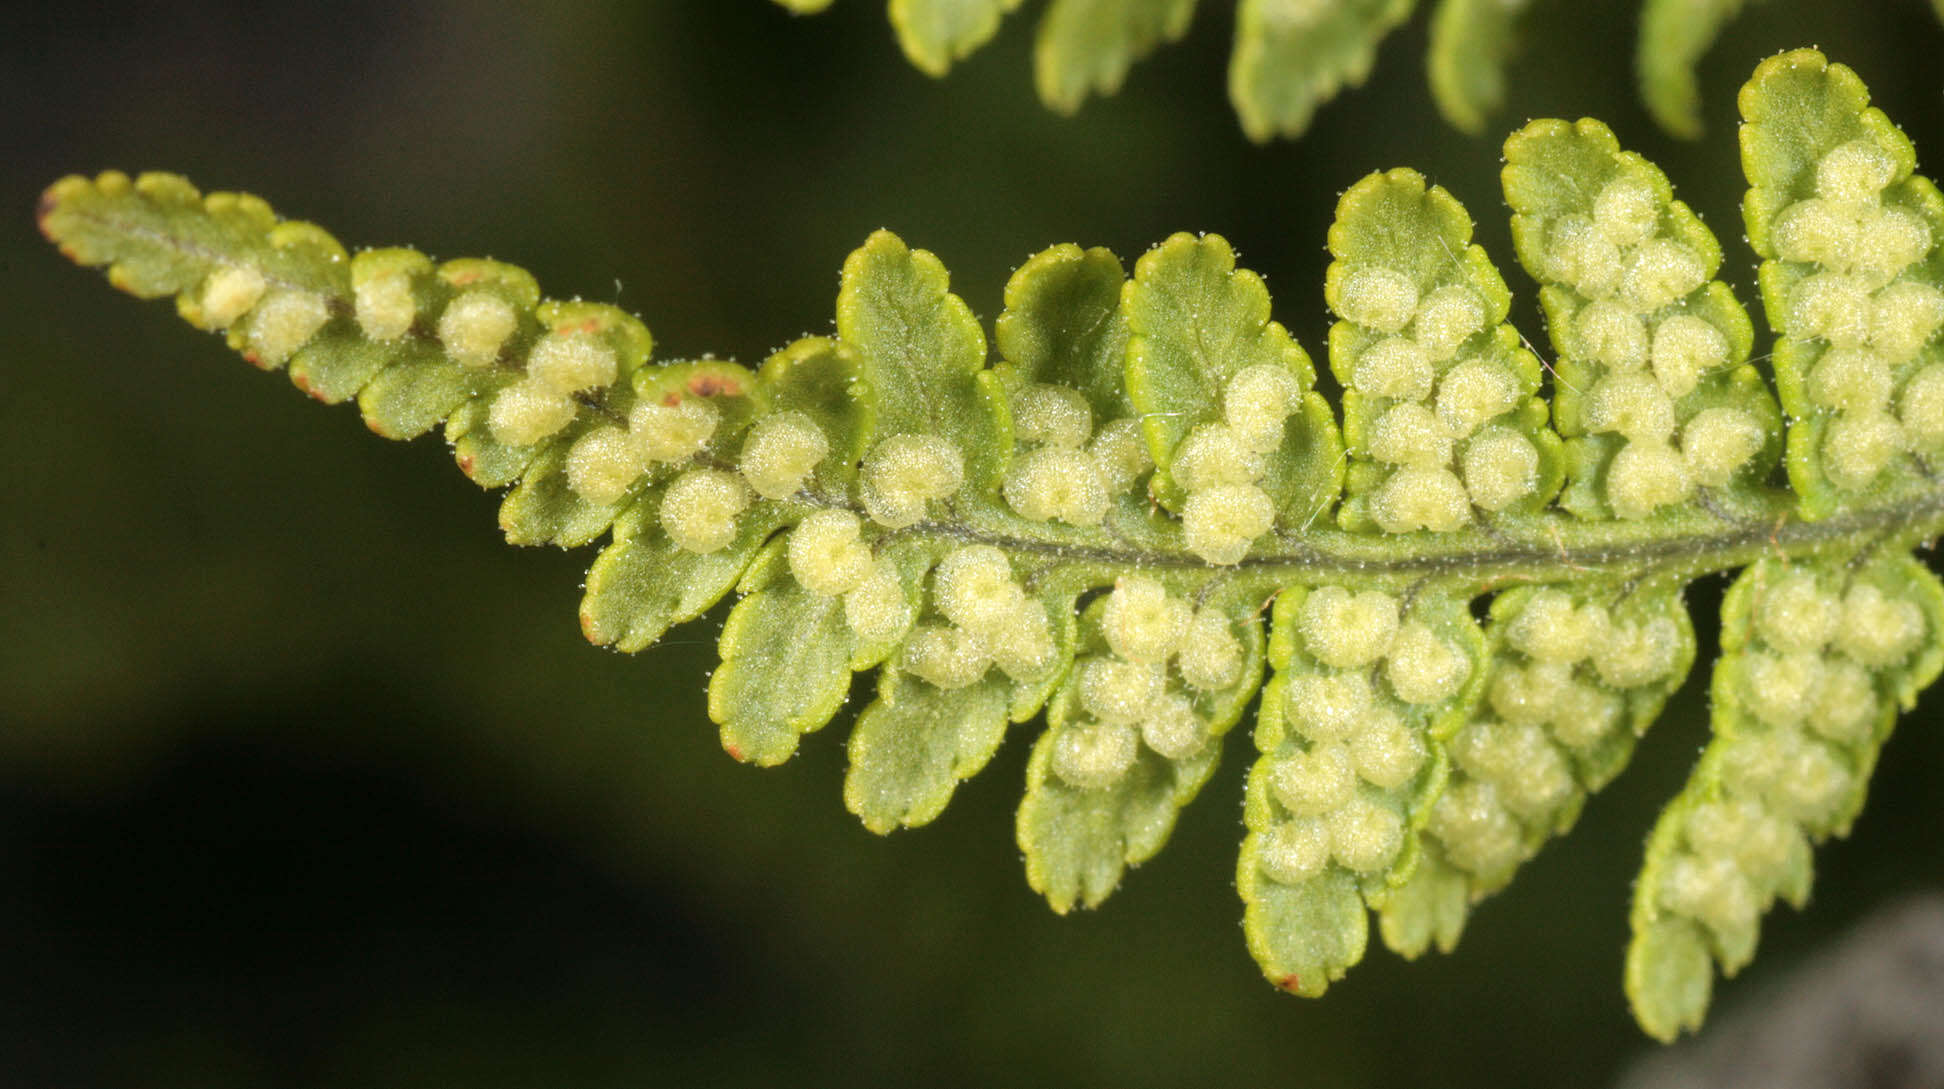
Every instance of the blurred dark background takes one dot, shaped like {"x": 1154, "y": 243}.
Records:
{"x": 306, "y": 779}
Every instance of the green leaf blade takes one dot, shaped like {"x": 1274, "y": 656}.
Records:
{"x": 1656, "y": 397}
{"x": 935, "y": 34}
{"x": 1674, "y": 36}
{"x": 1471, "y": 41}
{"x": 1106, "y": 782}
{"x": 1062, "y": 324}
{"x": 1198, "y": 329}
{"x": 1352, "y": 736}
{"x": 1086, "y": 46}
{"x": 920, "y": 350}
{"x": 1291, "y": 56}
{"x": 1440, "y": 420}
{"x": 1852, "y": 281}
{"x": 781, "y": 630}
{"x": 1817, "y": 657}
{"x": 916, "y": 742}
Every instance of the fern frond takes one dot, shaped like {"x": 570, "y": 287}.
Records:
{"x": 1097, "y": 521}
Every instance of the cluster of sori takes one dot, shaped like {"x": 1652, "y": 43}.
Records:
{"x": 1220, "y": 464}
{"x": 1161, "y": 654}
{"x": 280, "y": 320}
{"x": 1850, "y": 260}
{"x": 1812, "y": 686}
{"x": 1646, "y": 336}
{"x": 1359, "y": 695}
{"x": 1062, "y": 469}
{"x": 1436, "y": 383}
{"x": 983, "y": 617}
{"x": 1572, "y": 681}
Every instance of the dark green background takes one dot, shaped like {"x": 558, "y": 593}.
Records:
{"x": 307, "y": 779}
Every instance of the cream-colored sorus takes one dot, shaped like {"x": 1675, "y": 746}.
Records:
{"x": 475, "y": 327}
{"x": 1685, "y": 348}
{"x": 1645, "y": 476}
{"x": 1051, "y": 415}
{"x": 1172, "y": 728}
{"x": 1344, "y": 630}
{"x": 974, "y": 587}
{"x": 827, "y": 553}
{"x": 1054, "y": 483}
{"x": 1120, "y": 453}
{"x": 1117, "y": 690}
{"x": 946, "y": 657}
{"x": 904, "y": 473}
{"x": 1446, "y": 319}
{"x": 1256, "y": 404}
{"x": 1329, "y": 706}
{"x": 284, "y": 322}
{"x": 1378, "y": 298}
{"x": 673, "y": 432}
{"x": 1422, "y": 666}
{"x": 604, "y": 464}
{"x": 1094, "y": 756}
{"x": 1627, "y": 210}
{"x": 780, "y": 452}
{"x": 699, "y": 511}
{"x": 1421, "y": 497}
{"x": 1293, "y": 851}
{"x": 877, "y": 609}
{"x": 383, "y": 303}
{"x": 1550, "y": 628}
{"x": 1530, "y": 775}
{"x": 1877, "y": 630}
{"x": 1717, "y": 442}
{"x": 1220, "y": 523}
{"x": 1315, "y": 782}
{"x": 1500, "y": 467}
{"x": 1142, "y": 622}
{"x": 1387, "y": 752}
{"x": 1211, "y": 456}
{"x": 1365, "y": 836}
{"x": 1475, "y": 830}
{"x": 1395, "y": 368}
{"x": 523, "y": 414}
{"x": 1473, "y": 392}
{"x": 228, "y": 294}
{"x": 1210, "y": 656}
{"x": 572, "y": 362}
{"x": 1920, "y": 407}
